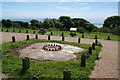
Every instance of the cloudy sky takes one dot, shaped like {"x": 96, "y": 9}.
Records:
{"x": 93, "y": 11}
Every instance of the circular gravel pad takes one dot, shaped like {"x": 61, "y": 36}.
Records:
{"x": 36, "y": 51}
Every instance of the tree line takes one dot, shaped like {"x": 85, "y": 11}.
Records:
{"x": 64, "y": 23}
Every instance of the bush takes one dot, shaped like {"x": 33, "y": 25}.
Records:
{"x": 53, "y": 29}
{"x": 105, "y": 30}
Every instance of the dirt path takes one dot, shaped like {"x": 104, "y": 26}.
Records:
{"x": 106, "y": 67}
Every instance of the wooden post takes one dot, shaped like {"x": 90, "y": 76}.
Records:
{"x": 93, "y": 46}
{"x": 96, "y": 41}
{"x": 27, "y": 37}
{"x": 83, "y": 60}
{"x": 36, "y": 36}
{"x": 25, "y": 64}
{"x": 67, "y": 74}
{"x": 51, "y": 33}
{"x": 13, "y": 30}
{"x": 19, "y": 31}
{"x": 13, "y": 39}
{"x": 63, "y": 38}
{"x": 62, "y": 34}
{"x": 78, "y": 40}
{"x": 83, "y": 35}
{"x": 48, "y": 37}
{"x": 108, "y": 37}
{"x": 90, "y": 50}
{"x": 34, "y": 32}
{"x": 95, "y": 36}
{"x": 26, "y": 31}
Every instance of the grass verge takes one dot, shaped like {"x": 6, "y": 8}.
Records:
{"x": 12, "y": 65}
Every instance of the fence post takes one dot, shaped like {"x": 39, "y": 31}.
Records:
{"x": 83, "y": 35}
{"x": 108, "y": 37}
{"x": 90, "y": 50}
{"x": 27, "y": 37}
{"x": 83, "y": 60}
{"x": 62, "y": 34}
{"x": 63, "y": 38}
{"x": 51, "y": 33}
{"x": 13, "y": 30}
{"x": 34, "y": 32}
{"x": 25, "y": 64}
{"x": 78, "y": 40}
{"x": 48, "y": 37}
{"x": 95, "y": 36}
{"x": 36, "y": 36}
{"x": 19, "y": 31}
{"x": 26, "y": 31}
{"x": 13, "y": 39}
{"x": 67, "y": 74}
{"x": 96, "y": 41}
{"x": 93, "y": 46}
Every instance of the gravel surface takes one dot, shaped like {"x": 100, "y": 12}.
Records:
{"x": 106, "y": 67}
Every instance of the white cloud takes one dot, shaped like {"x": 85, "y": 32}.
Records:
{"x": 62, "y": 8}
{"x": 7, "y": 10}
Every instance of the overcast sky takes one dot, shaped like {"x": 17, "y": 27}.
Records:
{"x": 93, "y": 11}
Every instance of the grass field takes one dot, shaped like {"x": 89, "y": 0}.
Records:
{"x": 66, "y": 33}
{"x": 12, "y": 65}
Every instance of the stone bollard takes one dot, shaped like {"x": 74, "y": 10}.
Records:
{"x": 67, "y": 74}
{"x": 13, "y": 39}
{"x": 63, "y": 38}
{"x": 108, "y": 38}
{"x": 95, "y": 36}
{"x": 83, "y": 60}
{"x": 90, "y": 50}
{"x": 49, "y": 37}
{"x": 62, "y": 34}
{"x": 34, "y": 32}
{"x": 96, "y": 41}
{"x": 27, "y": 37}
{"x": 78, "y": 40}
{"x": 93, "y": 46}
{"x": 36, "y": 36}
{"x": 51, "y": 33}
{"x": 19, "y": 31}
{"x": 25, "y": 64}
{"x": 83, "y": 35}
{"x": 26, "y": 31}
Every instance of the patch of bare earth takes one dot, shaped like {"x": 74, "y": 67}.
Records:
{"x": 36, "y": 51}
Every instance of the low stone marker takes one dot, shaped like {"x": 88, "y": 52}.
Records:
{"x": 78, "y": 40}
{"x": 83, "y": 35}
{"x": 67, "y": 74}
{"x": 90, "y": 50}
{"x": 93, "y": 46}
{"x": 25, "y": 64}
{"x": 27, "y": 37}
{"x": 63, "y": 38}
{"x": 83, "y": 60}
{"x": 13, "y": 39}
{"x": 49, "y": 37}
{"x": 36, "y": 36}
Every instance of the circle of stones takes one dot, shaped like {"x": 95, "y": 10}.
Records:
{"x": 52, "y": 47}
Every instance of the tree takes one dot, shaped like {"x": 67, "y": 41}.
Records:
{"x": 33, "y": 22}
{"x": 66, "y": 22}
{"x": 112, "y": 22}
{"x": 6, "y": 23}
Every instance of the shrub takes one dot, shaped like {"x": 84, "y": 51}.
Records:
{"x": 81, "y": 30}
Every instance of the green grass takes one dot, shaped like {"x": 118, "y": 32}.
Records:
{"x": 66, "y": 33}
{"x": 12, "y": 65}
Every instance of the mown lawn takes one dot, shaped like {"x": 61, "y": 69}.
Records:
{"x": 66, "y": 33}
{"x": 12, "y": 65}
